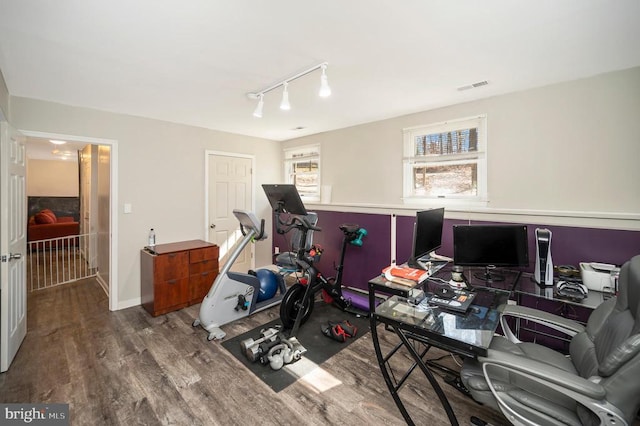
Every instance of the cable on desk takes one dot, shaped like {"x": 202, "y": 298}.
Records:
{"x": 438, "y": 280}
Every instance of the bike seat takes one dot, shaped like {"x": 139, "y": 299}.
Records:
{"x": 349, "y": 228}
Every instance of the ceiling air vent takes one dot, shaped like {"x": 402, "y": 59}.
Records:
{"x": 473, "y": 85}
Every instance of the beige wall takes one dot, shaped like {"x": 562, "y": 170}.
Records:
{"x": 4, "y": 98}
{"x": 566, "y": 149}
{"x": 49, "y": 178}
{"x": 161, "y": 174}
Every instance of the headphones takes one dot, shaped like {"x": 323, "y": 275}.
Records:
{"x": 572, "y": 290}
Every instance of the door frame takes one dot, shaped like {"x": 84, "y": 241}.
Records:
{"x": 113, "y": 201}
{"x": 211, "y": 153}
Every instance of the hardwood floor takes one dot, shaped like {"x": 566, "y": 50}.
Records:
{"x": 128, "y": 368}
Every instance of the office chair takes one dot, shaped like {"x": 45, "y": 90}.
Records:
{"x": 597, "y": 384}
{"x": 286, "y": 261}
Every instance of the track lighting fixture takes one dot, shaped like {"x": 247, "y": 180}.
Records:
{"x": 285, "y": 105}
{"x": 258, "y": 111}
{"x": 325, "y": 90}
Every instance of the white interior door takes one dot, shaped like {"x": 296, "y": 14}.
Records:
{"x": 230, "y": 187}
{"x": 13, "y": 244}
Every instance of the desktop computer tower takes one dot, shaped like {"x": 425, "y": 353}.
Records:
{"x": 543, "y": 273}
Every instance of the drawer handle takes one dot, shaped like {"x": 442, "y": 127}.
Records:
{"x": 204, "y": 274}
{"x": 173, "y": 254}
{"x": 172, "y": 281}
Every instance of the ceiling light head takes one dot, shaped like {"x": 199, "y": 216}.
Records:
{"x": 285, "y": 105}
{"x": 258, "y": 110}
{"x": 325, "y": 90}
{"x": 57, "y": 142}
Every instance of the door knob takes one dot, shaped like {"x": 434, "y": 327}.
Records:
{"x": 212, "y": 226}
{"x": 10, "y": 257}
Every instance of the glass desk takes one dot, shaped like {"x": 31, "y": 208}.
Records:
{"x": 468, "y": 334}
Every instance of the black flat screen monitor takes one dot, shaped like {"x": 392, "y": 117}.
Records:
{"x": 284, "y": 198}
{"x": 490, "y": 246}
{"x": 427, "y": 234}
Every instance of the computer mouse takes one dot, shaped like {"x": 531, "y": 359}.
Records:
{"x": 474, "y": 309}
{"x": 445, "y": 293}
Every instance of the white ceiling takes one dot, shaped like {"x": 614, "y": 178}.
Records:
{"x": 194, "y": 61}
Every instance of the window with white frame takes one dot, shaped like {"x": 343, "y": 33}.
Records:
{"x": 302, "y": 168}
{"x": 446, "y": 161}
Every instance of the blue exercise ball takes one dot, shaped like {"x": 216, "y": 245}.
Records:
{"x": 268, "y": 284}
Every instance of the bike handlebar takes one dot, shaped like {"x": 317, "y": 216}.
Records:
{"x": 296, "y": 222}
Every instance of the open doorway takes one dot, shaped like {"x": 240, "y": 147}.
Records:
{"x": 75, "y": 180}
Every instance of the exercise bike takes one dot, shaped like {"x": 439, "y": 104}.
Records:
{"x": 297, "y": 305}
{"x": 235, "y": 295}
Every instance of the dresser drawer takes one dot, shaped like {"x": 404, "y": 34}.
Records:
{"x": 204, "y": 266}
{"x": 199, "y": 285}
{"x": 171, "y": 293}
{"x": 172, "y": 266}
{"x": 207, "y": 253}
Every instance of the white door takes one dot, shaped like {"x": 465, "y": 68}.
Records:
{"x": 13, "y": 244}
{"x": 230, "y": 187}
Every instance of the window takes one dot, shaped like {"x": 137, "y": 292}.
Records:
{"x": 446, "y": 161}
{"x": 302, "y": 168}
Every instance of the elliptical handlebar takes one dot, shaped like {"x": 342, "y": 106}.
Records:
{"x": 248, "y": 220}
{"x": 259, "y": 236}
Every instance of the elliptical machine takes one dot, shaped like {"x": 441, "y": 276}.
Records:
{"x": 235, "y": 295}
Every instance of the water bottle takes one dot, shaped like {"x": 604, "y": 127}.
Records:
{"x": 152, "y": 238}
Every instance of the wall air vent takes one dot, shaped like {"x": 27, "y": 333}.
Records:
{"x": 473, "y": 85}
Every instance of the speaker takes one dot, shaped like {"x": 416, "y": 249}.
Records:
{"x": 544, "y": 265}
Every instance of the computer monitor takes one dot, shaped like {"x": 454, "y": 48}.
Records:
{"x": 427, "y": 235}
{"x": 490, "y": 246}
{"x": 284, "y": 198}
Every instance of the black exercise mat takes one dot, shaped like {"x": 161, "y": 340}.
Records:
{"x": 319, "y": 347}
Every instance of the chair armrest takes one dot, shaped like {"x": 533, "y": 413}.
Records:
{"x": 556, "y": 322}
{"x": 545, "y": 374}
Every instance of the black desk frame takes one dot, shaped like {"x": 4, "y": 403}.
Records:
{"x": 408, "y": 333}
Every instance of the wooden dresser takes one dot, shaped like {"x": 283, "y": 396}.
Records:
{"x": 176, "y": 275}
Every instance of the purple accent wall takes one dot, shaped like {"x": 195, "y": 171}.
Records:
{"x": 361, "y": 263}
{"x": 569, "y": 245}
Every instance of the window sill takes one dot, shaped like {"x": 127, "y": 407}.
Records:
{"x": 444, "y": 202}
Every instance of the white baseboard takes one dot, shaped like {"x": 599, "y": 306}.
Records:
{"x": 136, "y": 301}
{"x": 103, "y": 283}
{"x": 124, "y": 304}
